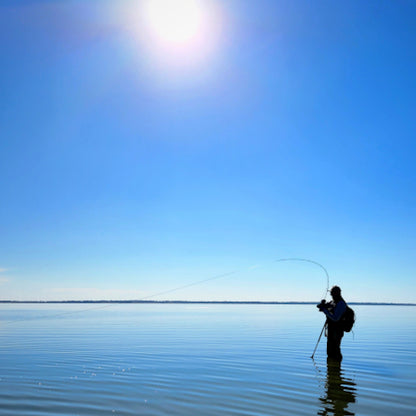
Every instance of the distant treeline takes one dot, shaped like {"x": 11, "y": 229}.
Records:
{"x": 204, "y": 302}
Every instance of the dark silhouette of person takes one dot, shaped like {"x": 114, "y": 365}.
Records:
{"x": 340, "y": 391}
{"x": 334, "y": 329}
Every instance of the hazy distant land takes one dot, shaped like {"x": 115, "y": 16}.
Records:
{"x": 205, "y": 302}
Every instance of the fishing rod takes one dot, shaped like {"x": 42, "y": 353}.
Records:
{"x": 324, "y": 297}
{"x": 313, "y": 262}
{"x": 195, "y": 283}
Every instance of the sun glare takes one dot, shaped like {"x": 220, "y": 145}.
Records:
{"x": 182, "y": 29}
{"x": 175, "y": 22}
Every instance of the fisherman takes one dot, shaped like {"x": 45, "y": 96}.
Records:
{"x": 335, "y": 331}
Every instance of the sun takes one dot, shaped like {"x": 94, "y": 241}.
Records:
{"x": 186, "y": 29}
{"x": 175, "y": 22}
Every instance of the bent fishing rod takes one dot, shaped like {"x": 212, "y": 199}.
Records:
{"x": 195, "y": 283}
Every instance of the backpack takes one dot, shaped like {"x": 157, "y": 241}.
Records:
{"x": 348, "y": 319}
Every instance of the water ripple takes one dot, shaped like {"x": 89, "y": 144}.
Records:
{"x": 217, "y": 360}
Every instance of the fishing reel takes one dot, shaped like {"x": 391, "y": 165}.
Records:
{"x": 323, "y": 304}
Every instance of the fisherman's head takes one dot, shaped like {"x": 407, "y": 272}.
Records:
{"x": 335, "y": 292}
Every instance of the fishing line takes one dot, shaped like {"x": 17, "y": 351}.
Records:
{"x": 190, "y": 284}
{"x": 111, "y": 303}
{"x": 58, "y": 315}
{"x": 165, "y": 292}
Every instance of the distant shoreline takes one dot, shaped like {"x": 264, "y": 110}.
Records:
{"x": 197, "y": 302}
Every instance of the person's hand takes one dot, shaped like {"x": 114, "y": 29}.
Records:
{"x": 321, "y": 306}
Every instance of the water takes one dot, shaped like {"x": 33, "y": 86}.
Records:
{"x": 167, "y": 359}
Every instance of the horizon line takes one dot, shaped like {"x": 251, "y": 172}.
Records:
{"x": 242, "y": 302}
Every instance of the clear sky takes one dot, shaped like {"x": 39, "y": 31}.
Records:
{"x": 142, "y": 150}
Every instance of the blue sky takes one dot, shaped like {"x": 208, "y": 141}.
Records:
{"x": 124, "y": 174}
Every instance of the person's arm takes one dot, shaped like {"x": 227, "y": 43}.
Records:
{"x": 337, "y": 313}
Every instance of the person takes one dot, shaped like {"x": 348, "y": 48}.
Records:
{"x": 334, "y": 311}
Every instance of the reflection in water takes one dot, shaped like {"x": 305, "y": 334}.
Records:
{"x": 340, "y": 391}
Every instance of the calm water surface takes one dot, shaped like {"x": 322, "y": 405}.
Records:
{"x": 166, "y": 359}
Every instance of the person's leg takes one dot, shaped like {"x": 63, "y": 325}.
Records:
{"x": 334, "y": 344}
